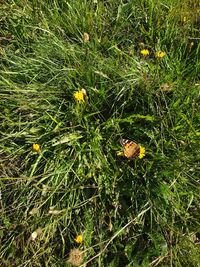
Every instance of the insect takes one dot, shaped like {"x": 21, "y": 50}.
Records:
{"x": 131, "y": 149}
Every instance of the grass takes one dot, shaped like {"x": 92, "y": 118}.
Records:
{"x": 143, "y": 212}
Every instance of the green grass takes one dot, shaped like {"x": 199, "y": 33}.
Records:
{"x": 143, "y": 212}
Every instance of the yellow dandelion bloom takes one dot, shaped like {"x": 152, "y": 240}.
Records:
{"x": 144, "y": 52}
{"x": 80, "y": 95}
{"x": 120, "y": 153}
{"x": 160, "y": 54}
{"x": 36, "y": 148}
{"x": 142, "y": 152}
{"x": 78, "y": 239}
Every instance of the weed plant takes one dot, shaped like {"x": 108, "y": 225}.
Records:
{"x": 74, "y": 201}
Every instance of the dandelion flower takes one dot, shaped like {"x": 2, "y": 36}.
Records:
{"x": 160, "y": 54}
{"x": 80, "y": 95}
{"x": 78, "y": 239}
{"x": 75, "y": 257}
{"x": 144, "y": 52}
{"x": 142, "y": 152}
{"x": 120, "y": 153}
{"x": 36, "y": 148}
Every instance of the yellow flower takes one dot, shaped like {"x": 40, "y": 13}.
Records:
{"x": 120, "y": 153}
{"x": 36, "y": 148}
{"x": 142, "y": 152}
{"x": 160, "y": 54}
{"x": 78, "y": 239}
{"x": 80, "y": 95}
{"x": 144, "y": 52}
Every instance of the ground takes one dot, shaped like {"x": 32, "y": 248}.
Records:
{"x": 76, "y": 77}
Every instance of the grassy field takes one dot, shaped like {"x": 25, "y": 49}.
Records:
{"x": 75, "y": 78}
